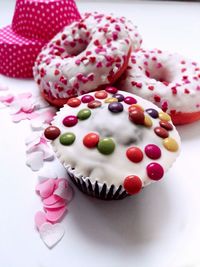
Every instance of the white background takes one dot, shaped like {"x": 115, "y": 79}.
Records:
{"x": 159, "y": 227}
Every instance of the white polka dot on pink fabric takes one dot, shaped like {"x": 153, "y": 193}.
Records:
{"x": 34, "y": 23}
{"x": 31, "y": 13}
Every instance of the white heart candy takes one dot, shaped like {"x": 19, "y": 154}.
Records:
{"x": 33, "y": 139}
{"x": 35, "y": 160}
{"x": 37, "y": 124}
{"x": 46, "y": 172}
{"x": 51, "y": 234}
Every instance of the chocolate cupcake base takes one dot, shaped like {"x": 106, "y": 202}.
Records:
{"x": 97, "y": 190}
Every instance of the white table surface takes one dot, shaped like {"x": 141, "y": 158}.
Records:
{"x": 159, "y": 227}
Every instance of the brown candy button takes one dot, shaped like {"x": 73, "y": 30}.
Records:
{"x": 137, "y": 116}
{"x": 52, "y": 132}
{"x": 166, "y": 125}
{"x": 161, "y": 132}
{"x": 94, "y": 104}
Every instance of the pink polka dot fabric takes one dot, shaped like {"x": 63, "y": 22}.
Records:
{"x": 34, "y": 23}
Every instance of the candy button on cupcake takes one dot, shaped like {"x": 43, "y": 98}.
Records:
{"x": 106, "y": 146}
{"x": 70, "y": 121}
{"x": 155, "y": 171}
{"x": 84, "y": 114}
{"x": 114, "y": 148}
{"x": 52, "y": 132}
{"x": 91, "y": 140}
{"x": 74, "y": 102}
{"x": 94, "y": 104}
{"x": 115, "y": 107}
{"x": 132, "y": 184}
{"x": 67, "y": 139}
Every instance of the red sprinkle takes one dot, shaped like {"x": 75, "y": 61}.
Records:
{"x": 111, "y": 90}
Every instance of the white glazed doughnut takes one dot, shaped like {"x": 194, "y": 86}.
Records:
{"x": 114, "y": 140}
{"x": 84, "y": 56}
{"x": 169, "y": 80}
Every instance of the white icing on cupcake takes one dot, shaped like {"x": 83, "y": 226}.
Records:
{"x": 127, "y": 141}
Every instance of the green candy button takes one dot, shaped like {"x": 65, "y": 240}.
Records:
{"x": 67, "y": 139}
{"x": 106, "y": 146}
{"x": 84, "y": 114}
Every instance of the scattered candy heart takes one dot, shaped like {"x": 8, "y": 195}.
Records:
{"x": 3, "y": 87}
{"x": 55, "y": 215}
{"x": 35, "y": 160}
{"x": 53, "y": 199}
{"x": 51, "y": 234}
{"x": 64, "y": 191}
{"x": 7, "y": 99}
{"x": 24, "y": 116}
{"x": 46, "y": 188}
{"x": 40, "y": 219}
{"x": 33, "y": 139}
{"x": 55, "y": 192}
{"x": 45, "y": 173}
{"x": 59, "y": 204}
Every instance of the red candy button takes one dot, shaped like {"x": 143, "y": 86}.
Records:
{"x": 152, "y": 151}
{"x": 91, "y": 140}
{"x": 134, "y": 154}
{"x": 155, "y": 171}
{"x": 74, "y": 102}
{"x": 101, "y": 94}
{"x": 111, "y": 90}
{"x": 52, "y": 132}
{"x": 137, "y": 116}
{"x": 87, "y": 98}
{"x": 130, "y": 100}
{"x": 132, "y": 184}
{"x": 70, "y": 121}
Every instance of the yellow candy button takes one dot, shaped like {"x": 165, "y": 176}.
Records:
{"x": 147, "y": 121}
{"x": 111, "y": 100}
{"x": 164, "y": 116}
{"x": 135, "y": 106}
{"x": 170, "y": 144}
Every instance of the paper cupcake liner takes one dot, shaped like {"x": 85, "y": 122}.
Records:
{"x": 17, "y": 53}
{"x": 96, "y": 189}
{"x": 43, "y": 19}
{"x": 34, "y": 23}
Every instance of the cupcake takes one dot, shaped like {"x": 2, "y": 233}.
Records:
{"x": 113, "y": 143}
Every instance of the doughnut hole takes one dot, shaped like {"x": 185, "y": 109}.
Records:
{"x": 159, "y": 73}
{"x": 75, "y": 46}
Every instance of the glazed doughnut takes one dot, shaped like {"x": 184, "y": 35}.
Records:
{"x": 170, "y": 81}
{"x": 84, "y": 56}
{"x": 102, "y": 158}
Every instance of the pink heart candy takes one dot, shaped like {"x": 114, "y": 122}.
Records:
{"x": 51, "y": 234}
{"x": 59, "y": 204}
{"x": 53, "y": 199}
{"x": 64, "y": 190}
{"x": 7, "y": 99}
{"x": 46, "y": 188}
{"x": 24, "y": 95}
{"x": 54, "y": 215}
{"x": 40, "y": 219}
